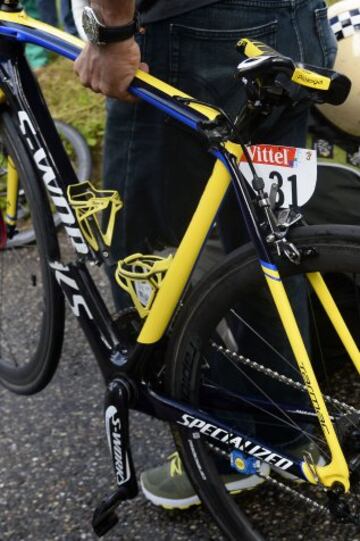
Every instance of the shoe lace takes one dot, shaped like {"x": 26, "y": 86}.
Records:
{"x": 175, "y": 464}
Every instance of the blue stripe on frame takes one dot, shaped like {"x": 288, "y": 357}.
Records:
{"x": 268, "y": 265}
{"x": 57, "y": 45}
{"x": 272, "y": 277}
{"x": 164, "y": 105}
{"x": 41, "y": 38}
{"x": 185, "y": 117}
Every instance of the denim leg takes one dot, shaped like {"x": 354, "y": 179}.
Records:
{"x": 47, "y": 11}
{"x": 129, "y": 168}
{"x": 67, "y": 17}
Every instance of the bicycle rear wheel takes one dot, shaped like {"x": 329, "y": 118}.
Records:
{"x": 77, "y": 148}
{"x": 229, "y": 320}
{"x": 31, "y": 302}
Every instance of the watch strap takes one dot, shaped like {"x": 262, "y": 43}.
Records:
{"x": 112, "y": 34}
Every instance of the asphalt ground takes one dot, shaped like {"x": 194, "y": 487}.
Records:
{"x": 55, "y": 468}
{"x": 55, "y": 465}
{"x": 54, "y": 461}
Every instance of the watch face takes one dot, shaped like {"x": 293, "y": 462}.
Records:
{"x": 90, "y": 25}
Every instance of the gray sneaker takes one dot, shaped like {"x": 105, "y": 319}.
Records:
{"x": 169, "y": 486}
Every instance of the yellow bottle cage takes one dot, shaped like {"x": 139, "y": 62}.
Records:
{"x": 141, "y": 276}
{"x": 90, "y": 205}
{"x": 300, "y": 76}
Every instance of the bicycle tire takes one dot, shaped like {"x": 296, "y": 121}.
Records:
{"x": 29, "y": 334}
{"x": 337, "y": 250}
{"x": 83, "y": 166}
{"x": 82, "y": 156}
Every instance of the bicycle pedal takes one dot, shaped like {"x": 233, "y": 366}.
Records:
{"x": 102, "y": 524}
{"x": 104, "y": 517}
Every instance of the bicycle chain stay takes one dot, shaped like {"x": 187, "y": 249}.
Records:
{"x": 309, "y": 501}
{"x": 338, "y": 504}
{"x": 280, "y": 377}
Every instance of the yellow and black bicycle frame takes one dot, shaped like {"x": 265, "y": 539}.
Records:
{"x": 24, "y": 99}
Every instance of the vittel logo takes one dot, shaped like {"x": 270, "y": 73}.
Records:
{"x": 272, "y": 155}
{"x": 49, "y": 178}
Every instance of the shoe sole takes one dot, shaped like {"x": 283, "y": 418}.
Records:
{"x": 168, "y": 503}
{"x": 234, "y": 487}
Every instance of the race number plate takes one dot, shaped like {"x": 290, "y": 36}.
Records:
{"x": 293, "y": 169}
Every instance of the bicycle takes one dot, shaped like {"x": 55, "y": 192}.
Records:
{"x": 159, "y": 357}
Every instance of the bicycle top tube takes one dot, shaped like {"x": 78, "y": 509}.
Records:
{"x": 22, "y": 28}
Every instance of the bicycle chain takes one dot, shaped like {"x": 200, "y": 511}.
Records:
{"x": 298, "y": 386}
{"x": 312, "y": 503}
{"x": 280, "y": 377}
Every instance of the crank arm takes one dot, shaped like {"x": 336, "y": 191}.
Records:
{"x": 117, "y": 400}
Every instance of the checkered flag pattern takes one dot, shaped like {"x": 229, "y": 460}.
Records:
{"x": 345, "y": 24}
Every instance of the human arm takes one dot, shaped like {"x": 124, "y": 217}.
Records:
{"x": 110, "y": 68}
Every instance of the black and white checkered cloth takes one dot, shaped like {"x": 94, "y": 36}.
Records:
{"x": 345, "y": 24}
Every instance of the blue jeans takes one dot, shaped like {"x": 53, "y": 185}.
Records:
{"x": 47, "y": 11}
{"x": 159, "y": 169}
{"x": 67, "y": 17}
{"x": 48, "y": 14}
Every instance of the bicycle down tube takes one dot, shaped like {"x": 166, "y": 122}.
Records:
{"x": 51, "y": 160}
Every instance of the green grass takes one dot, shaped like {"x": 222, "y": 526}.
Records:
{"x": 69, "y": 101}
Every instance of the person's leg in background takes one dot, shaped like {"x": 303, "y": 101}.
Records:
{"x": 67, "y": 18}
{"x": 38, "y": 57}
{"x": 48, "y": 11}
{"x": 133, "y": 166}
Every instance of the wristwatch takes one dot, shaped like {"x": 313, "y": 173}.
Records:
{"x": 100, "y": 34}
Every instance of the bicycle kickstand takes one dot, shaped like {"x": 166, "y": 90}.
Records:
{"x": 117, "y": 399}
